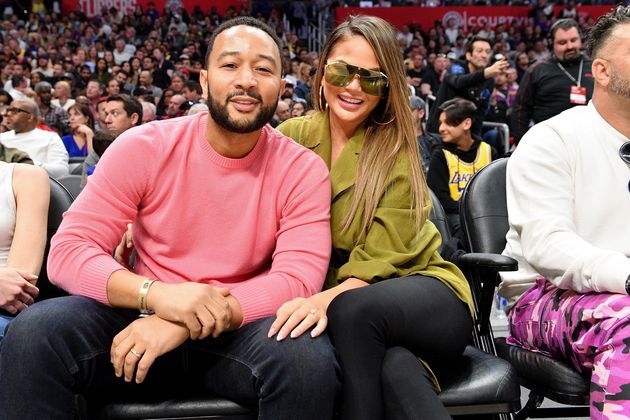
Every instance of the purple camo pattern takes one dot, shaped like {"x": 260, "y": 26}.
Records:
{"x": 590, "y": 330}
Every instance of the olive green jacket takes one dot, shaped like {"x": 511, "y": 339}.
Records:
{"x": 11, "y": 155}
{"x": 392, "y": 247}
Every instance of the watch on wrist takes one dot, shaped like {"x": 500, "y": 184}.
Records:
{"x": 628, "y": 285}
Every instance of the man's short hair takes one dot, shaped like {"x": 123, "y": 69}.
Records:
{"x": 457, "y": 110}
{"x": 416, "y": 102}
{"x": 43, "y": 85}
{"x": 565, "y": 25}
{"x": 16, "y": 80}
{"x": 246, "y": 21}
{"x": 600, "y": 33}
{"x": 130, "y": 104}
{"x": 194, "y": 86}
{"x": 476, "y": 38}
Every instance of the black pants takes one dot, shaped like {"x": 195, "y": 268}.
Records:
{"x": 379, "y": 332}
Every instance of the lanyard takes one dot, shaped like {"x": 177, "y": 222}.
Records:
{"x": 579, "y": 80}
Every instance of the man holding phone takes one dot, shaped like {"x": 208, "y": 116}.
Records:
{"x": 472, "y": 80}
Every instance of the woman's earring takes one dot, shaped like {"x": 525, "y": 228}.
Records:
{"x": 322, "y": 106}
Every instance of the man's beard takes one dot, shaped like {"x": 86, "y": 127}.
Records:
{"x": 618, "y": 85}
{"x": 571, "y": 59}
{"x": 221, "y": 116}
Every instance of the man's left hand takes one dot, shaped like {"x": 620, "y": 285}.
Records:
{"x": 135, "y": 348}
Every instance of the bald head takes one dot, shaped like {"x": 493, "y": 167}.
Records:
{"x": 24, "y": 115}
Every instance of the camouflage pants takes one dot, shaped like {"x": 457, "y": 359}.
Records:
{"x": 591, "y": 331}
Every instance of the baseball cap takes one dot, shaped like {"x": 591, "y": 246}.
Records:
{"x": 290, "y": 80}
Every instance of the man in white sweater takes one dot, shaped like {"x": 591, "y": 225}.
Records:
{"x": 44, "y": 147}
{"x": 568, "y": 196}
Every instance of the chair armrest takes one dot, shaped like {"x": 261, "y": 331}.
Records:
{"x": 488, "y": 262}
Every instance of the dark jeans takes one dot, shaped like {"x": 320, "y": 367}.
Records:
{"x": 61, "y": 347}
{"x": 379, "y": 332}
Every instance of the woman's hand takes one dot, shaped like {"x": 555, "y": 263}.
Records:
{"x": 298, "y": 315}
{"x": 84, "y": 131}
{"x": 125, "y": 247}
{"x": 135, "y": 348}
{"x": 17, "y": 289}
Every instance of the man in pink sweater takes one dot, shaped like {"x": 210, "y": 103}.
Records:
{"x": 231, "y": 219}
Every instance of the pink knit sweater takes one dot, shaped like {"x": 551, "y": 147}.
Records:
{"x": 257, "y": 225}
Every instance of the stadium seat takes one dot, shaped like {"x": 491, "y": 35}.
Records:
{"x": 483, "y": 209}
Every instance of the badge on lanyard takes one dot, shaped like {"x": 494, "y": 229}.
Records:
{"x": 578, "y": 95}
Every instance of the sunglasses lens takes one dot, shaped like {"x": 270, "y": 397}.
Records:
{"x": 338, "y": 74}
{"x": 374, "y": 85}
{"x": 341, "y": 74}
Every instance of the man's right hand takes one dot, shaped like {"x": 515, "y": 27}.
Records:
{"x": 17, "y": 289}
{"x": 496, "y": 69}
{"x": 204, "y": 309}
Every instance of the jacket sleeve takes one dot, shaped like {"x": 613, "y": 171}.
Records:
{"x": 57, "y": 164}
{"x": 524, "y": 105}
{"x": 466, "y": 80}
{"x": 393, "y": 247}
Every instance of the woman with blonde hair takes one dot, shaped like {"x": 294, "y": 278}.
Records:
{"x": 63, "y": 93}
{"x": 417, "y": 305}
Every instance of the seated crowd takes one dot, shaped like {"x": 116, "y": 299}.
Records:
{"x": 339, "y": 225}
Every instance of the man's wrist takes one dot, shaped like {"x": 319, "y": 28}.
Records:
{"x": 143, "y": 306}
{"x": 628, "y": 285}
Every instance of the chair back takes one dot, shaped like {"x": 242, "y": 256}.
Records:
{"x": 60, "y": 201}
{"x": 72, "y": 183}
{"x": 483, "y": 209}
{"x": 438, "y": 217}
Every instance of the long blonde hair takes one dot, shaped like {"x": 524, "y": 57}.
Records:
{"x": 384, "y": 141}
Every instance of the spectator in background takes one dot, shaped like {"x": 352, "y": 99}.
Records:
{"x": 415, "y": 72}
{"x": 521, "y": 60}
{"x": 433, "y": 76}
{"x": 178, "y": 81}
{"x": 82, "y": 126}
{"x": 298, "y": 109}
{"x": 554, "y": 85}
{"x": 462, "y": 154}
{"x": 146, "y": 81}
{"x": 122, "y": 52}
{"x": 93, "y": 93}
{"x": 54, "y": 116}
{"x": 19, "y": 88}
{"x": 149, "y": 111}
{"x": 101, "y": 109}
{"x": 282, "y": 114}
{"x": 112, "y": 88}
{"x": 427, "y": 142}
{"x": 192, "y": 91}
{"x": 472, "y": 80}
{"x": 63, "y": 95}
{"x": 174, "y": 109}
{"x": 123, "y": 112}
{"x": 45, "y": 148}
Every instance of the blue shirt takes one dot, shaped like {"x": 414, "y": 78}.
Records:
{"x": 72, "y": 147}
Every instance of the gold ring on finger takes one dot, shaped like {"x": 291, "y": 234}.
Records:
{"x": 135, "y": 353}
{"x": 312, "y": 312}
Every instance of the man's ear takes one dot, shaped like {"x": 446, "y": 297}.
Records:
{"x": 203, "y": 81}
{"x": 283, "y": 85}
{"x": 601, "y": 71}
{"x": 135, "y": 118}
